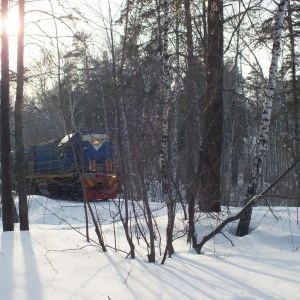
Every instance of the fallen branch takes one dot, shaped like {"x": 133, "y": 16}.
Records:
{"x": 248, "y": 206}
{"x": 230, "y": 219}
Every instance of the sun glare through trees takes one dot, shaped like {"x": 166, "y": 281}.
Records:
{"x": 12, "y": 22}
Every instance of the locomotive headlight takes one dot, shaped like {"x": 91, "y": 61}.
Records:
{"x": 96, "y": 142}
{"x": 114, "y": 176}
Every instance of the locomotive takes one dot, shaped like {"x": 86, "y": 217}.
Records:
{"x": 60, "y": 168}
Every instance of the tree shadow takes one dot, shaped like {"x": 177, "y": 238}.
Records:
{"x": 33, "y": 283}
{"x": 6, "y": 262}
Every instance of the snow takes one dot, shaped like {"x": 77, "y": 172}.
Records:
{"x": 54, "y": 261}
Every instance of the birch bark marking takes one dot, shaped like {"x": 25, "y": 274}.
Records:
{"x": 164, "y": 139}
{"x": 243, "y": 226}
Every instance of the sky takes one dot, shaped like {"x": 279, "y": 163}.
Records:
{"x": 54, "y": 261}
{"x": 39, "y": 23}
{"x": 97, "y": 12}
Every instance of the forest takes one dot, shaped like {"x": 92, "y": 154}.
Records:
{"x": 199, "y": 98}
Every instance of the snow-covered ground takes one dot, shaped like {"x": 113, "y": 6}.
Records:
{"x": 54, "y": 261}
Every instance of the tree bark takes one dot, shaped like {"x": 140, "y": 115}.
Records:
{"x": 209, "y": 170}
{"x": 125, "y": 163}
{"x": 7, "y": 200}
{"x": 147, "y": 214}
{"x": 295, "y": 106}
{"x": 190, "y": 98}
{"x": 20, "y": 162}
{"x": 164, "y": 168}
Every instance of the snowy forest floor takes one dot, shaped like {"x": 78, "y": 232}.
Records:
{"x": 54, "y": 261}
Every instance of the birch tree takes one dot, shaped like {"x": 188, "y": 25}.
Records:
{"x": 260, "y": 152}
{"x": 164, "y": 138}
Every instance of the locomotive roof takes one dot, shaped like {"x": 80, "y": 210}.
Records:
{"x": 84, "y": 137}
{"x": 65, "y": 139}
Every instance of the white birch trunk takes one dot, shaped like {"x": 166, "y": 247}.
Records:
{"x": 243, "y": 226}
{"x": 164, "y": 139}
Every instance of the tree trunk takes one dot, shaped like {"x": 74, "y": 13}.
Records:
{"x": 244, "y": 223}
{"x": 295, "y": 106}
{"x": 148, "y": 214}
{"x": 20, "y": 163}
{"x": 164, "y": 168}
{"x": 190, "y": 98}
{"x": 121, "y": 124}
{"x": 209, "y": 170}
{"x": 7, "y": 200}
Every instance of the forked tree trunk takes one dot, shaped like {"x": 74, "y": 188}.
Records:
{"x": 244, "y": 223}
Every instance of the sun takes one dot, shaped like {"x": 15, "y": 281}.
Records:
{"x": 12, "y": 22}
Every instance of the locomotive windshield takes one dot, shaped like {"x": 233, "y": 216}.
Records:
{"x": 95, "y": 139}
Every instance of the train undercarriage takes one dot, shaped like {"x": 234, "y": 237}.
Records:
{"x": 97, "y": 187}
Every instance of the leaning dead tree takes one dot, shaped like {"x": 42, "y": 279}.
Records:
{"x": 250, "y": 204}
{"x": 251, "y": 196}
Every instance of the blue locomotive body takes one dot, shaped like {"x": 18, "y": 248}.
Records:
{"x": 60, "y": 167}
